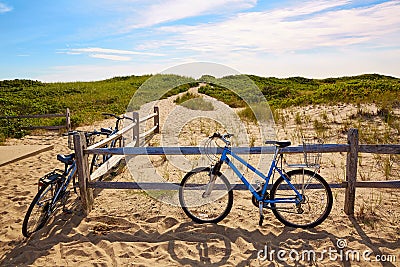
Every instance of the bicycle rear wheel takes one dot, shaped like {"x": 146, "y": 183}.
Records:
{"x": 99, "y": 160}
{"x": 39, "y": 211}
{"x": 201, "y": 208}
{"x": 316, "y": 204}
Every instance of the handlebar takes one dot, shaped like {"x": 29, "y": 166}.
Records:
{"x": 117, "y": 117}
{"x": 87, "y": 134}
{"x": 222, "y": 137}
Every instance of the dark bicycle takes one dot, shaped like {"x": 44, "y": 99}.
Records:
{"x": 53, "y": 192}
{"x": 99, "y": 160}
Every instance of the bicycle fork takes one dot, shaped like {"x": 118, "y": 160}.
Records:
{"x": 213, "y": 176}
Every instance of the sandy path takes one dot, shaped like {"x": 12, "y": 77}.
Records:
{"x": 9, "y": 154}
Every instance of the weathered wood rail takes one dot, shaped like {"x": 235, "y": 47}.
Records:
{"x": 81, "y": 154}
{"x": 134, "y": 127}
{"x": 67, "y": 117}
{"x": 352, "y": 148}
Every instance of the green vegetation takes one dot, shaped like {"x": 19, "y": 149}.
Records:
{"x": 158, "y": 87}
{"x": 180, "y": 89}
{"x": 194, "y": 102}
{"x": 222, "y": 94}
{"x": 247, "y": 114}
{"x": 185, "y": 97}
{"x": 87, "y": 100}
{"x": 282, "y": 93}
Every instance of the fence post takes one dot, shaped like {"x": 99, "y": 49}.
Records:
{"x": 157, "y": 120}
{"x": 68, "y": 126}
{"x": 68, "y": 120}
{"x": 82, "y": 166}
{"x": 135, "y": 117}
{"x": 351, "y": 172}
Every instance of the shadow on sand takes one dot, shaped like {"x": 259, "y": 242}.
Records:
{"x": 202, "y": 239}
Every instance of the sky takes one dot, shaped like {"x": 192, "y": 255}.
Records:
{"x": 84, "y": 40}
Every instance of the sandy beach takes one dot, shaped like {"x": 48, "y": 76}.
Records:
{"x": 130, "y": 228}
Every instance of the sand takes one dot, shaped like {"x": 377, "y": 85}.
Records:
{"x": 129, "y": 228}
{"x": 9, "y": 154}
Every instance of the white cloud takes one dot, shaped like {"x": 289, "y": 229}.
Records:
{"x": 172, "y": 10}
{"x": 4, "y": 8}
{"x": 110, "y": 54}
{"x": 111, "y": 57}
{"x": 322, "y": 24}
{"x": 305, "y": 8}
{"x": 111, "y": 51}
{"x": 312, "y": 39}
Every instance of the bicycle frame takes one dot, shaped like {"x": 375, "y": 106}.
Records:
{"x": 69, "y": 173}
{"x": 224, "y": 158}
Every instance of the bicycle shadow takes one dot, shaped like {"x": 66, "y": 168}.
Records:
{"x": 186, "y": 243}
{"x": 40, "y": 243}
{"x": 210, "y": 244}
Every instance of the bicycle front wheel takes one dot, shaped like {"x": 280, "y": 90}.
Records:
{"x": 316, "y": 201}
{"x": 39, "y": 211}
{"x": 200, "y": 206}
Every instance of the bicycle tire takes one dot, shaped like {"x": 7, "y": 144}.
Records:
{"x": 96, "y": 162}
{"x": 99, "y": 160}
{"x": 75, "y": 185}
{"x": 200, "y": 209}
{"x": 27, "y": 231}
{"x": 317, "y": 201}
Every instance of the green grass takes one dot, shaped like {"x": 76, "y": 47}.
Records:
{"x": 185, "y": 97}
{"x": 222, "y": 94}
{"x": 295, "y": 91}
{"x": 194, "y": 102}
{"x": 198, "y": 104}
{"x": 87, "y": 100}
{"x": 247, "y": 114}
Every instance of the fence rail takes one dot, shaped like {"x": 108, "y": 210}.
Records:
{"x": 67, "y": 116}
{"x": 352, "y": 148}
{"x": 85, "y": 179}
{"x": 190, "y": 150}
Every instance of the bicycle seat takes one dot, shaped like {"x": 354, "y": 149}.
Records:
{"x": 66, "y": 159}
{"x": 106, "y": 130}
{"x": 282, "y": 143}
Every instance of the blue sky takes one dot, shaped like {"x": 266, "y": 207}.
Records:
{"x": 70, "y": 40}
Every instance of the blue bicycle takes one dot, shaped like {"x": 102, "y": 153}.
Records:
{"x": 299, "y": 198}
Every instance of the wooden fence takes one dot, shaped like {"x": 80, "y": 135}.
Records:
{"x": 84, "y": 178}
{"x": 67, "y": 117}
{"x": 352, "y": 148}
